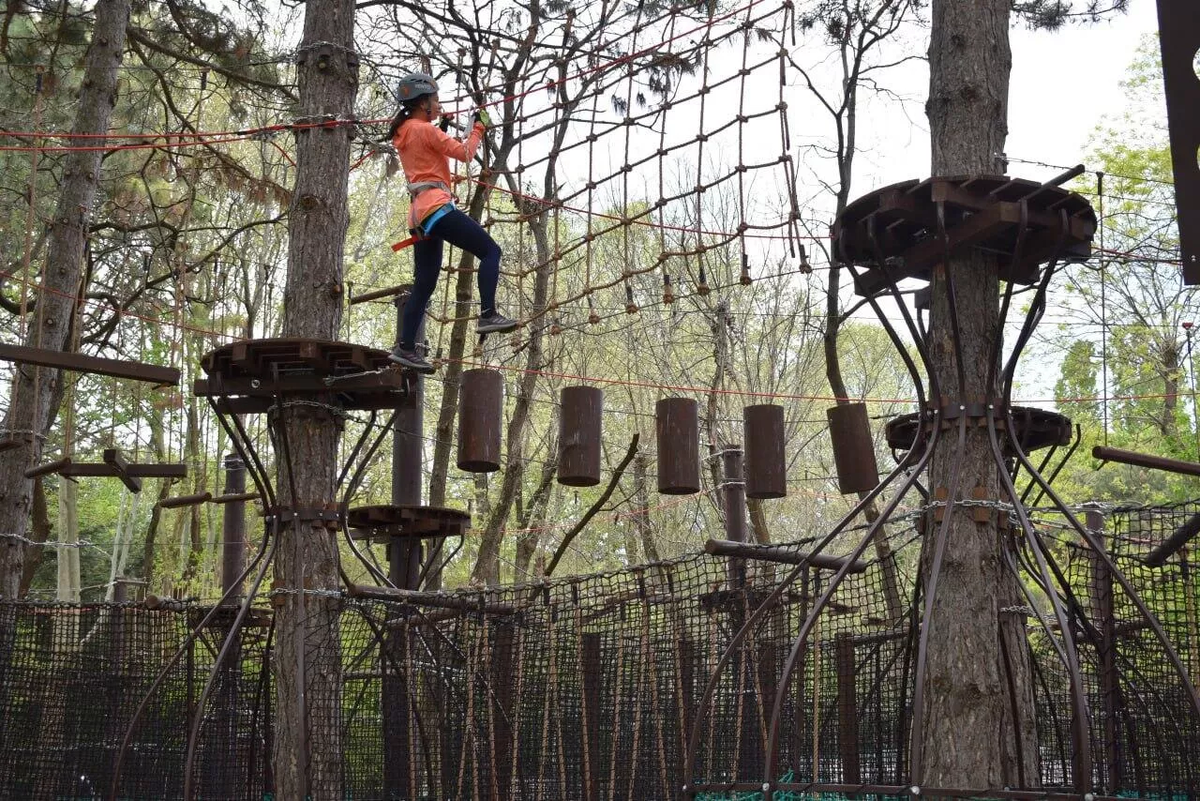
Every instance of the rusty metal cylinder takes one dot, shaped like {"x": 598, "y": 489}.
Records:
{"x": 853, "y": 448}
{"x": 766, "y": 462}
{"x": 480, "y": 414}
{"x": 579, "y": 436}
{"x": 233, "y": 528}
{"x": 677, "y": 425}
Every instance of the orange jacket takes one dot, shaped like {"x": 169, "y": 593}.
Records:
{"x": 425, "y": 153}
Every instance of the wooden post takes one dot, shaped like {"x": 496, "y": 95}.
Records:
{"x": 503, "y": 714}
{"x": 847, "y": 703}
{"x": 233, "y": 526}
{"x": 593, "y": 670}
{"x": 766, "y": 462}
{"x": 479, "y": 421}
{"x": 408, "y": 450}
{"x": 677, "y": 426}
{"x": 735, "y": 513}
{"x": 579, "y": 436}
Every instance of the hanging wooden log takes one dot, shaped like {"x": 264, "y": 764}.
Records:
{"x": 677, "y": 424}
{"x": 853, "y": 448}
{"x": 479, "y": 421}
{"x": 579, "y": 436}
{"x": 766, "y": 464}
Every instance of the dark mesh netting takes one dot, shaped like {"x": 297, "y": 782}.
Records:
{"x": 588, "y": 688}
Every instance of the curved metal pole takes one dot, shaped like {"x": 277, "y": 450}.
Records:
{"x": 174, "y": 660}
{"x": 358, "y": 443}
{"x": 1057, "y": 469}
{"x": 1119, "y": 575}
{"x": 352, "y": 487}
{"x": 247, "y": 453}
{"x": 1018, "y": 251}
{"x": 771, "y": 757}
{"x": 1037, "y": 308}
{"x": 226, "y": 647}
{"x": 770, "y": 601}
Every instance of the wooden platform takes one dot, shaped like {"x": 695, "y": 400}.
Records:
{"x": 1021, "y": 221}
{"x": 386, "y": 522}
{"x": 247, "y": 376}
{"x": 1036, "y": 429}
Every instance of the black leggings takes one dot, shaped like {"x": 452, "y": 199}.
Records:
{"x": 461, "y": 231}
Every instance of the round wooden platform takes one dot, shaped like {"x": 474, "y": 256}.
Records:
{"x": 248, "y": 375}
{"x": 1023, "y": 222}
{"x": 385, "y": 523}
{"x": 1036, "y": 429}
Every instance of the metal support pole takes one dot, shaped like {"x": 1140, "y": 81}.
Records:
{"x": 408, "y": 465}
{"x": 404, "y": 571}
{"x": 735, "y": 511}
{"x": 233, "y": 528}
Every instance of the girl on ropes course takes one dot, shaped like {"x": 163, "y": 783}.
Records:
{"x": 425, "y": 153}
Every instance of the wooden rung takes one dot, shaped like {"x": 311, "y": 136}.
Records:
{"x": 113, "y": 457}
{"x": 234, "y": 497}
{"x": 184, "y": 500}
{"x": 46, "y": 469}
{"x": 780, "y": 554}
{"x": 79, "y": 363}
{"x": 94, "y": 470}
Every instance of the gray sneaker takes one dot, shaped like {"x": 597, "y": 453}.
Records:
{"x": 411, "y": 359}
{"x": 495, "y": 323}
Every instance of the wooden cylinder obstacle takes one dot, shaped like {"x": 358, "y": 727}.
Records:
{"x": 766, "y": 464}
{"x": 579, "y": 436}
{"x": 479, "y": 421}
{"x": 853, "y": 448}
{"x": 677, "y": 426}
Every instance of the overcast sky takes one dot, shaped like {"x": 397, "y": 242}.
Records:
{"x": 1063, "y": 84}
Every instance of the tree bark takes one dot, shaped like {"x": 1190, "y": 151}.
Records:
{"x": 41, "y": 533}
{"x": 642, "y": 516}
{"x": 307, "y": 749}
{"x": 973, "y": 730}
{"x": 535, "y": 517}
{"x": 34, "y": 388}
{"x": 69, "y": 582}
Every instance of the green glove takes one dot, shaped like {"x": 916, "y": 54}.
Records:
{"x": 482, "y": 118}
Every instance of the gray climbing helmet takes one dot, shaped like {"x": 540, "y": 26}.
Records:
{"x": 414, "y": 85}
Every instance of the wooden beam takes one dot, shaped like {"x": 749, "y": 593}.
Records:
{"x": 113, "y": 457}
{"x": 1146, "y": 460}
{"x": 781, "y": 554}
{"x": 79, "y": 363}
{"x": 56, "y": 466}
{"x": 93, "y": 470}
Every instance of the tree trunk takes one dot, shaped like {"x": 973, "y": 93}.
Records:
{"x": 164, "y": 491}
{"x": 642, "y": 517}
{"x": 41, "y": 533}
{"x": 487, "y": 565}
{"x": 307, "y": 748}
{"x": 69, "y": 582}
{"x": 1169, "y": 425}
{"x": 969, "y": 736}
{"x": 535, "y": 517}
{"x": 34, "y": 388}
